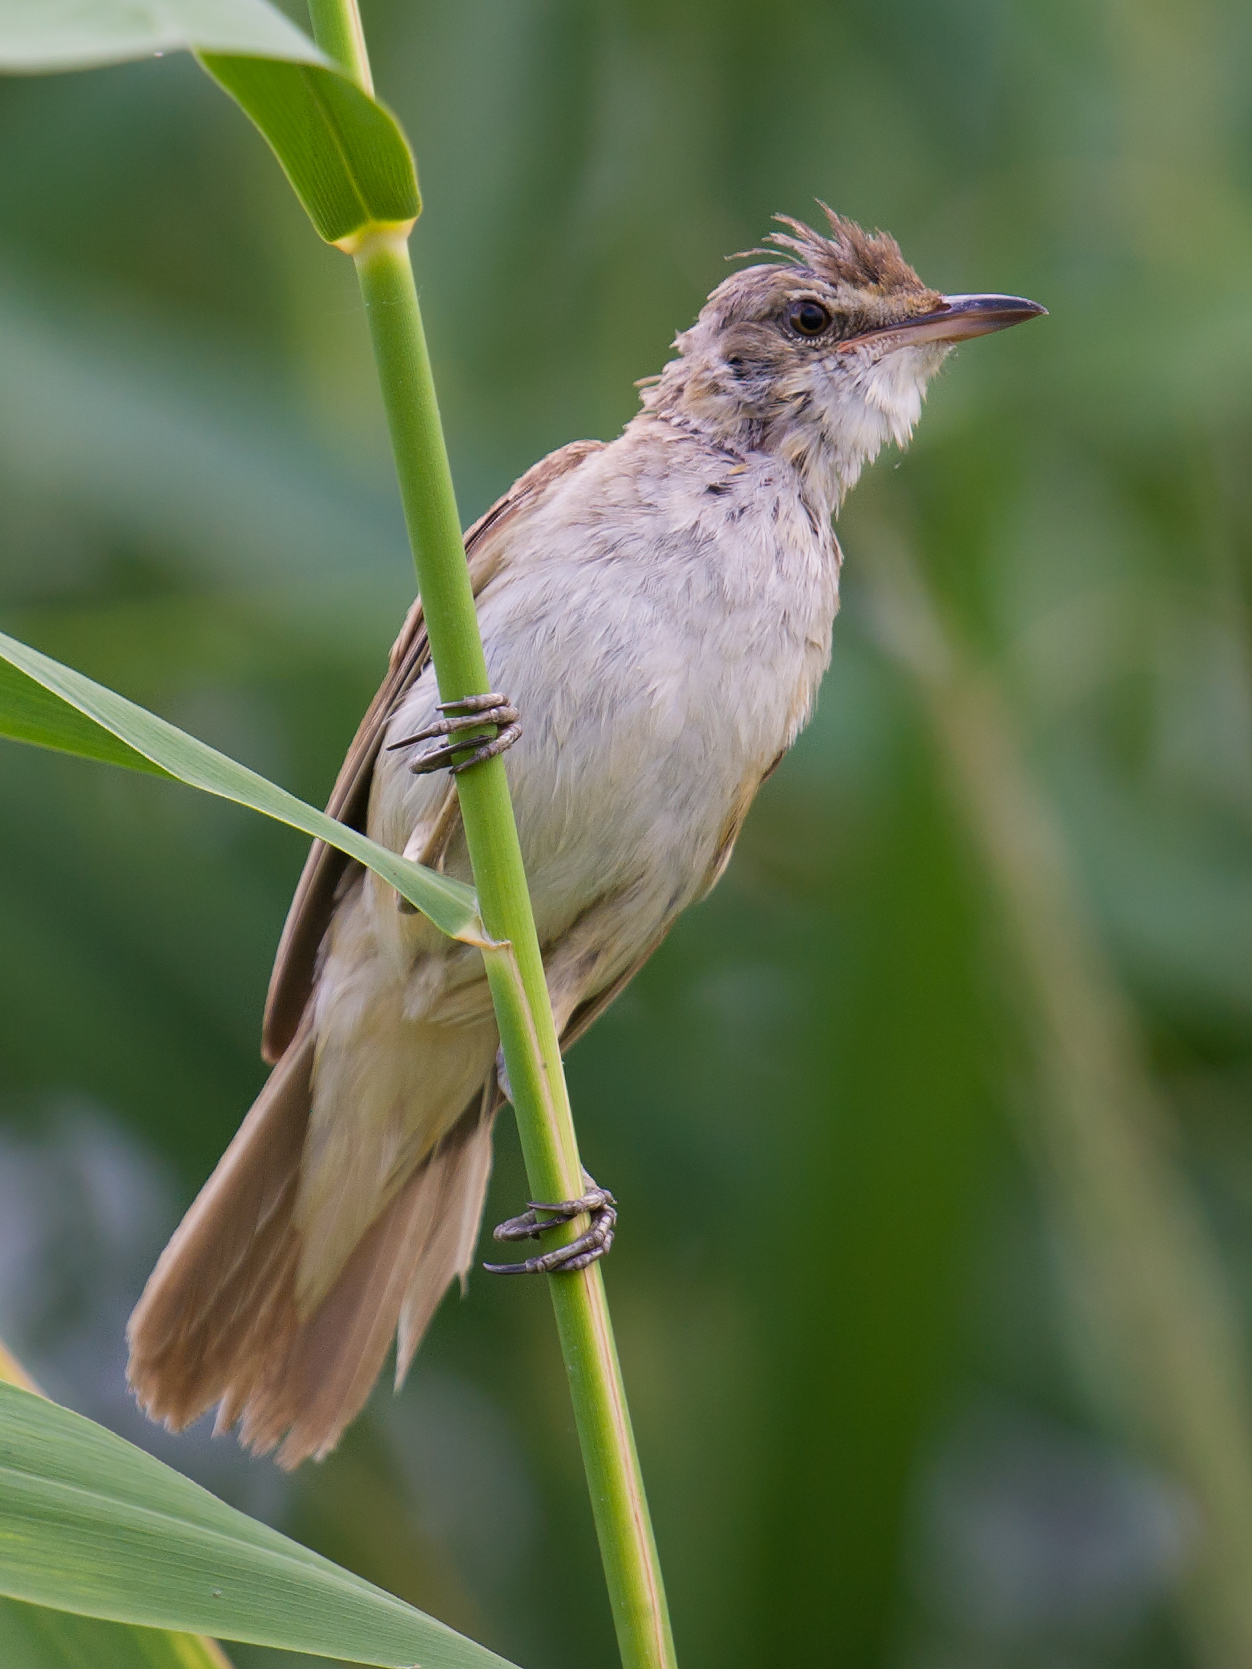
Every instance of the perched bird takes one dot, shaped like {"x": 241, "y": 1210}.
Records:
{"x": 659, "y": 611}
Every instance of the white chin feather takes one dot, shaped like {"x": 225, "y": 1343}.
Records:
{"x": 895, "y": 386}
{"x": 880, "y": 401}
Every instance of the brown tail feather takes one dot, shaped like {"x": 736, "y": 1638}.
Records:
{"x": 459, "y": 1171}
{"x": 218, "y": 1322}
{"x": 185, "y": 1333}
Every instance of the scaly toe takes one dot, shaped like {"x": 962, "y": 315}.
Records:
{"x": 593, "y": 1243}
{"x": 462, "y": 724}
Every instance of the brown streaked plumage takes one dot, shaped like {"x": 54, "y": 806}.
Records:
{"x": 660, "y": 611}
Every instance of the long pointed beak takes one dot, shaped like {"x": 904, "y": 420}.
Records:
{"x": 955, "y": 320}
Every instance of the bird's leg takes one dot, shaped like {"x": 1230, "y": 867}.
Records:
{"x": 593, "y": 1244}
{"x": 470, "y": 713}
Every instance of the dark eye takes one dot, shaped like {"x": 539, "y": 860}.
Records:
{"x": 808, "y": 318}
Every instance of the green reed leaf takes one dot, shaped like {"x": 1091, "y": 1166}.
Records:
{"x": 53, "y": 706}
{"x": 344, "y": 154}
{"x": 93, "y": 1525}
{"x": 75, "y": 34}
{"x": 35, "y": 1637}
{"x": 31, "y": 713}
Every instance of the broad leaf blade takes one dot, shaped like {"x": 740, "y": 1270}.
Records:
{"x": 59, "y": 723}
{"x": 36, "y": 1637}
{"x": 74, "y": 34}
{"x": 346, "y": 158}
{"x": 91, "y": 1524}
{"x": 30, "y": 713}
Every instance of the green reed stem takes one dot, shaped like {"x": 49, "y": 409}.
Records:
{"x": 519, "y": 991}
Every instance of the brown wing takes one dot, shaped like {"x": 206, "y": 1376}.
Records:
{"x": 291, "y": 982}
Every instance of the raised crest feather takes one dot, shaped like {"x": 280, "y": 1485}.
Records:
{"x": 848, "y": 256}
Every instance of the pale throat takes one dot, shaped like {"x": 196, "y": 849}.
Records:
{"x": 861, "y": 403}
{"x": 828, "y": 422}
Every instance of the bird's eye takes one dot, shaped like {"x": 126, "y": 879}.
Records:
{"x": 808, "y": 318}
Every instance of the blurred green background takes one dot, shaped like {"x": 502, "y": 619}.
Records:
{"x": 878, "y": 1422}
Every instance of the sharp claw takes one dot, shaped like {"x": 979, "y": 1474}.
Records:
{"x": 593, "y": 1243}
{"x": 577, "y": 1255}
{"x": 590, "y": 1201}
{"x": 532, "y": 1266}
{"x": 529, "y": 1226}
{"x": 472, "y": 715}
{"x": 434, "y": 759}
{"x": 489, "y": 750}
{"x": 525, "y": 1227}
{"x": 474, "y": 703}
{"x": 503, "y": 714}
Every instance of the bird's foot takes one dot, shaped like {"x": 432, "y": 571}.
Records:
{"x": 592, "y": 1244}
{"x": 471, "y": 713}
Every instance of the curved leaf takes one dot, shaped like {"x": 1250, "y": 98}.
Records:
{"x": 346, "y": 158}
{"x": 74, "y": 34}
{"x": 30, "y": 713}
{"x": 36, "y": 1637}
{"x": 67, "y": 711}
{"x": 91, "y": 1524}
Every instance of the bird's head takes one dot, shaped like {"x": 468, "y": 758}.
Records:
{"x": 822, "y": 355}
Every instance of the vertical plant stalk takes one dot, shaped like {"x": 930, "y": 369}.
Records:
{"x": 196, "y": 1651}
{"x": 1099, "y": 1127}
{"x": 519, "y": 991}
